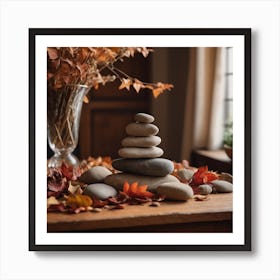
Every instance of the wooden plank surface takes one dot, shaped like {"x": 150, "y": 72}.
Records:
{"x": 217, "y": 208}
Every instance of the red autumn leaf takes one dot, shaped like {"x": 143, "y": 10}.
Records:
{"x": 203, "y": 176}
{"x": 70, "y": 172}
{"x": 56, "y": 183}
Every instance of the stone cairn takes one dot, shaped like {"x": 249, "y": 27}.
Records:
{"x": 140, "y": 162}
{"x": 140, "y": 154}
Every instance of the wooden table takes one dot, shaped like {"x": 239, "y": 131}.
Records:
{"x": 212, "y": 215}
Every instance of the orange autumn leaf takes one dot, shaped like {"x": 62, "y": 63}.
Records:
{"x": 86, "y": 99}
{"x": 160, "y": 88}
{"x": 134, "y": 190}
{"x": 126, "y": 187}
{"x": 126, "y": 83}
{"x": 137, "y": 85}
{"x": 203, "y": 176}
{"x": 134, "y": 187}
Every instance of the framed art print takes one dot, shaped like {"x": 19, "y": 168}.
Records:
{"x": 139, "y": 139}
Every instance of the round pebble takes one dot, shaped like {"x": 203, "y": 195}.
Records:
{"x": 144, "y": 118}
{"x": 141, "y": 142}
{"x": 117, "y": 180}
{"x": 149, "y": 167}
{"x": 141, "y": 129}
{"x": 131, "y": 152}
{"x": 95, "y": 174}
{"x": 222, "y": 186}
{"x": 100, "y": 191}
{"x": 185, "y": 174}
{"x": 175, "y": 191}
{"x": 205, "y": 189}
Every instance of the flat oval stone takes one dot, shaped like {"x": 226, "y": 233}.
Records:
{"x": 95, "y": 174}
{"x": 222, "y": 186}
{"x": 131, "y": 152}
{"x": 117, "y": 180}
{"x": 185, "y": 174}
{"x": 205, "y": 189}
{"x": 141, "y": 142}
{"x": 100, "y": 191}
{"x": 226, "y": 177}
{"x": 175, "y": 191}
{"x": 150, "y": 167}
{"x": 141, "y": 129}
{"x": 144, "y": 118}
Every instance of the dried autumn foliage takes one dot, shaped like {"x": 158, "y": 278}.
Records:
{"x": 57, "y": 183}
{"x": 200, "y": 197}
{"x": 135, "y": 191}
{"x": 78, "y": 200}
{"x": 70, "y": 172}
{"x": 84, "y": 65}
{"x": 203, "y": 176}
{"x": 98, "y": 161}
{"x": 59, "y": 179}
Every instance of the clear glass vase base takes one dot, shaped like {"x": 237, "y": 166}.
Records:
{"x": 57, "y": 160}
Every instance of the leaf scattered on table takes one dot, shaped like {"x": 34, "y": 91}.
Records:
{"x": 200, "y": 197}
{"x": 74, "y": 189}
{"x": 78, "y": 200}
{"x": 203, "y": 176}
{"x": 118, "y": 206}
{"x": 135, "y": 191}
{"x": 155, "y": 204}
{"x": 52, "y": 201}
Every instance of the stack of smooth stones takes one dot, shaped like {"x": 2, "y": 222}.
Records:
{"x": 140, "y": 161}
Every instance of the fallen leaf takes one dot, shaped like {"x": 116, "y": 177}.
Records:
{"x": 74, "y": 189}
{"x": 78, "y": 200}
{"x": 136, "y": 191}
{"x": 118, "y": 206}
{"x": 52, "y": 201}
{"x": 203, "y": 176}
{"x": 200, "y": 197}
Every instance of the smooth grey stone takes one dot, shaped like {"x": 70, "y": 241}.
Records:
{"x": 131, "y": 152}
{"x": 149, "y": 167}
{"x": 175, "y": 191}
{"x": 144, "y": 118}
{"x": 205, "y": 189}
{"x": 185, "y": 174}
{"x": 95, "y": 174}
{"x": 141, "y": 129}
{"x": 100, "y": 191}
{"x": 222, "y": 186}
{"x": 117, "y": 180}
{"x": 226, "y": 177}
{"x": 141, "y": 142}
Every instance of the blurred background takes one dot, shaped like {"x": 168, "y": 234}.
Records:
{"x": 194, "y": 118}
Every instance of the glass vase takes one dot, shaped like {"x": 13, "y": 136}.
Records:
{"x": 63, "y": 121}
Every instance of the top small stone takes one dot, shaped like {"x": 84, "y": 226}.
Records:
{"x": 144, "y": 118}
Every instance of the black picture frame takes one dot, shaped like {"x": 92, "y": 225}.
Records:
{"x": 245, "y": 32}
